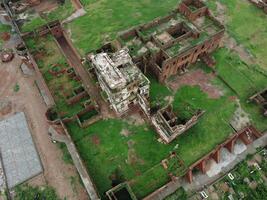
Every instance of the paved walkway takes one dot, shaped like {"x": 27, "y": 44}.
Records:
{"x": 201, "y": 180}
{"x": 88, "y": 183}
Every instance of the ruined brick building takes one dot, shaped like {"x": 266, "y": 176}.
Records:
{"x": 121, "y": 80}
{"x": 261, "y": 99}
{"x": 169, "y": 125}
{"x": 168, "y": 45}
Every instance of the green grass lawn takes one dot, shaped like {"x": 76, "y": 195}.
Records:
{"x": 105, "y": 18}
{"x": 247, "y": 24}
{"x": 105, "y": 150}
{"x": 32, "y": 24}
{"x": 245, "y": 80}
{"x": 60, "y": 13}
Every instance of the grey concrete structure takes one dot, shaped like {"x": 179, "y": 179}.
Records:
{"x": 20, "y": 158}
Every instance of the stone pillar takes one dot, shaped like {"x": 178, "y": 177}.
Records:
{"x": 202, "y": 166}
{"x": 230, "y": 145}
{"x": 189, "y": 176}
{"x": 245, "y": 139}
{"x": 217, "y": 155}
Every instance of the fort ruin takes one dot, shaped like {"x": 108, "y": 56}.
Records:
{"x": 164, "y": 47}
{"x": 168, "y": 45}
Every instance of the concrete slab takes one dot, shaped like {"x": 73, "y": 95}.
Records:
{"x": 20, "y": 158}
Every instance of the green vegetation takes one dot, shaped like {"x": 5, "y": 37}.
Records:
{"x": 245, "y": 177}
{"x": 36, "y": 20}
{"x": 245, "y": 80}
{"x": 247, "y": 24}
{"x": 116, "y": 145}
{"x": 105, "y": 18}
{"x": 215, "y": 130}
{"x": 49, "y": 58}
{"x": 178, "y": 194}
{"x": 34, "y": 23}
{"x": 66, "y": 157}
{"x": 4, "y": 28}
{"x": 16, "y": 87}
{"x": 61, "y": 13}
{"x": 114, "y": 150}
{"x": 158, "y": 92}
{"x": 26, "y": 192}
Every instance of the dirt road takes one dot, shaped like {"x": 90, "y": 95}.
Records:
{"x": 26, "y": 98}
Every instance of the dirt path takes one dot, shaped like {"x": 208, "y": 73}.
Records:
{"x": 199, "y": 78}
{"x": 27, "y": 99}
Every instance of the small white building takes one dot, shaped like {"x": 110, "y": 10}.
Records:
{"x": 122, "y": 81}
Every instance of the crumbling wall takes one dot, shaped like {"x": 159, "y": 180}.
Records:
{"x": 91, "y": 120}
{"x": 176, "y": 64}
{"x": 193, "y": 15}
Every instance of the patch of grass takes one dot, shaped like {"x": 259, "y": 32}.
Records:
{"x": 105, "y": 150}
{"x": 25, "y": 192}
{"x": 4, "y": 28}
{"x": 111, "y": 151}
{"x": 245, "y": 80}
{"x": 33, "y": 24}
{"x": 158, "y": 92}
{"x": 65, "y": 153}
{"x": 247, "y": 24}
{"x": 178, "y": 194}
{"x": 47, "y": 55}
{"x": 105, "y": 18}
{"x": 211, "y": 130}
{"x": 16, "y": 88}
{"x": 61, "y": 13}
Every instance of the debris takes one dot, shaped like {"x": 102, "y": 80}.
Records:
{"x": 6, "y": 56}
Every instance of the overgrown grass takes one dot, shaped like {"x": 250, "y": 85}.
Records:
{"x": 158, "y": 92}
{"x": 25, "y": 192}
{"x": 105, "y": 150}
{"x": 247, "y": 24}
{"x": 61, "y": 13}
{"x": 48, "y": 54}
{"x": 4, "y": 28}
{"x": 245, "y": 80}
{"x": 105, "y": 18}
{"x": 37, "y": 20}
{"x": 33, "y": 24}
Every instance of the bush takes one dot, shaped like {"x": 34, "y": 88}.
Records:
{"x": 26, "y": 192}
